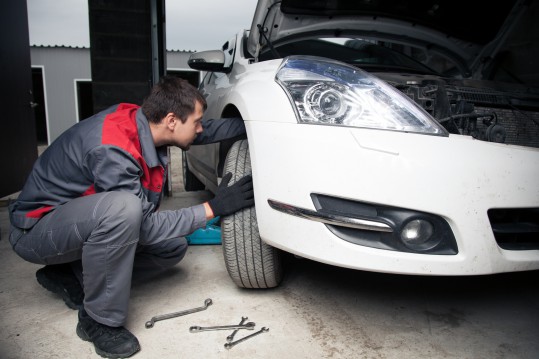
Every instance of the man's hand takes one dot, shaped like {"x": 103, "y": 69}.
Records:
{"x": 230, "y": 199}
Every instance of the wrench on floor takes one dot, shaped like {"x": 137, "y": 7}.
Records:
{"x": 196, "y": 328}
{"x": 231, "y": 336}
{"x": 230, "y": 345}
{"x": 150, "y": 323}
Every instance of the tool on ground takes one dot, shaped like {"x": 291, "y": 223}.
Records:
{"x": 231, "y": 336}
{"x": 249, "y": 326}
{"x": 230, "y": 345}
{"x": 150, "y": 323}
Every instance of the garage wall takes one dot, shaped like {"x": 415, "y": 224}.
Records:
{"x": 61, "y": 66}
{"x": 178, "y": 59}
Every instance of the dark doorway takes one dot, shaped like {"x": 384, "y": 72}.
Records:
{"x": 84, "y": 99}
{"x": 40, "y": 111}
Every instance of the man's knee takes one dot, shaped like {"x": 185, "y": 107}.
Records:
{"x": 122, "y": 207}
{"x": 119, "y": 217}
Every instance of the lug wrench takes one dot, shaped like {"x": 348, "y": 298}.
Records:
{"x": 231, "y": 336}
{"x": 230, "y": 345}
{"x": 196, "y": 328}
{"x": 150, "y": 323}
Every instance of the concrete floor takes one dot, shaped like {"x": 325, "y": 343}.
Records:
{"x": 319, "y": 311}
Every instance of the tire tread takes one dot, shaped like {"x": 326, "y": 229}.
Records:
{"x": 250, "y": 262}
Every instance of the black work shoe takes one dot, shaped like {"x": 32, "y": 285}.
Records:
{"x": 60, "y": 279}
{"x": 109, "y": 342}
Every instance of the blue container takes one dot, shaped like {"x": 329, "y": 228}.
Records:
{"x": 211, "y": 234}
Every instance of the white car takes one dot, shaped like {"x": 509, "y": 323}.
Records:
{"x": 373, "y": 140}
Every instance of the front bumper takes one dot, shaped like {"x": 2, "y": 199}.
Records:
{"x": 456, "y": 178}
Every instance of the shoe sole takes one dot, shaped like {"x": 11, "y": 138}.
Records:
{"x": 82, "y": 334}
{"x": 51, "y": 286}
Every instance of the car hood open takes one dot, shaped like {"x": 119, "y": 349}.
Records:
{"x": 466, "y": 32}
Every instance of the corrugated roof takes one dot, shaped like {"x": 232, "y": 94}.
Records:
{"x": 84, "y": 47}
{"x": 60, "y": 46}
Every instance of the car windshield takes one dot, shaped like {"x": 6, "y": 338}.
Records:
{"x": 361, "y": 53}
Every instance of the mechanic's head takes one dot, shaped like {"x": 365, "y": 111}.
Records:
{"x": 172, "y": 95}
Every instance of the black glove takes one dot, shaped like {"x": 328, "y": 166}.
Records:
{"x": 231, "y": 199}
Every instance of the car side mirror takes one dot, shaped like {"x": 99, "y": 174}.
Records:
{"x": 212, "y": 61}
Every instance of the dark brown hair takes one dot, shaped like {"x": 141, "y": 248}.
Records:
{"x": 171, "y": 94}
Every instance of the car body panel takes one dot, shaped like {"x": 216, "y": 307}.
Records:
{"x": 394, "y": 169}
{"x": 455, "y": 177}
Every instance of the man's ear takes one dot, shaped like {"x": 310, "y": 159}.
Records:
{"x": 170, "y": 121}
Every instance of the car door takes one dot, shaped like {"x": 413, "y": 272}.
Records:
{"x": 203, "y": 160}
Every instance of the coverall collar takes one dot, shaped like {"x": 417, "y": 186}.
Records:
{"x": 152, "y": 155}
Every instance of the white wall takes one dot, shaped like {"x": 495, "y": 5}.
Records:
{"x": 61, "y": 66}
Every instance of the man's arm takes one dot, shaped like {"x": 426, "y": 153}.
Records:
{"x": 228, "y": 199}
{"x": 114, "y": 169}
{"x": 217, "y": 130}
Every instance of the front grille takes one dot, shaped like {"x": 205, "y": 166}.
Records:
{"x": 516, "y": 112}
{"x": 478, "y": 96}
{"x": 516, "y": 228}
{"x": 522, "y": 127}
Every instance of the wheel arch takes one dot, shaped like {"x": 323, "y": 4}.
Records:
{"x": 230, "y": 110}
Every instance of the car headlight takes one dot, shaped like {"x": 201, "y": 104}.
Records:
{"x": 324, "y": 91}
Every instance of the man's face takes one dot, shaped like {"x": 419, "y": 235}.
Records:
{"x": 185, "y": 133}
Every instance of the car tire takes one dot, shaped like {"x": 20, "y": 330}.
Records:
{"x": 250, "y": 262}
{"x": 190, "y": 182}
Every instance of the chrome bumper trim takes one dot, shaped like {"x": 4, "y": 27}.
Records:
{"x": 330, "y": 218}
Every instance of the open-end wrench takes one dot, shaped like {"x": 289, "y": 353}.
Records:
{"x": 231, "y": 336}
{"x": 196, "y": 329}
{"x": 230, "y": 345}
{"x": 150, "y": 323}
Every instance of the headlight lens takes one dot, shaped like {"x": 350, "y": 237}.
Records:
{"x": 324, "y": 91}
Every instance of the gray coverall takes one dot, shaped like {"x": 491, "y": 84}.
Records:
{"x": 92, "y": 199}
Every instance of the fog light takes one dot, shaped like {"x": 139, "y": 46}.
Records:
{"x": 417, "y": 233}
